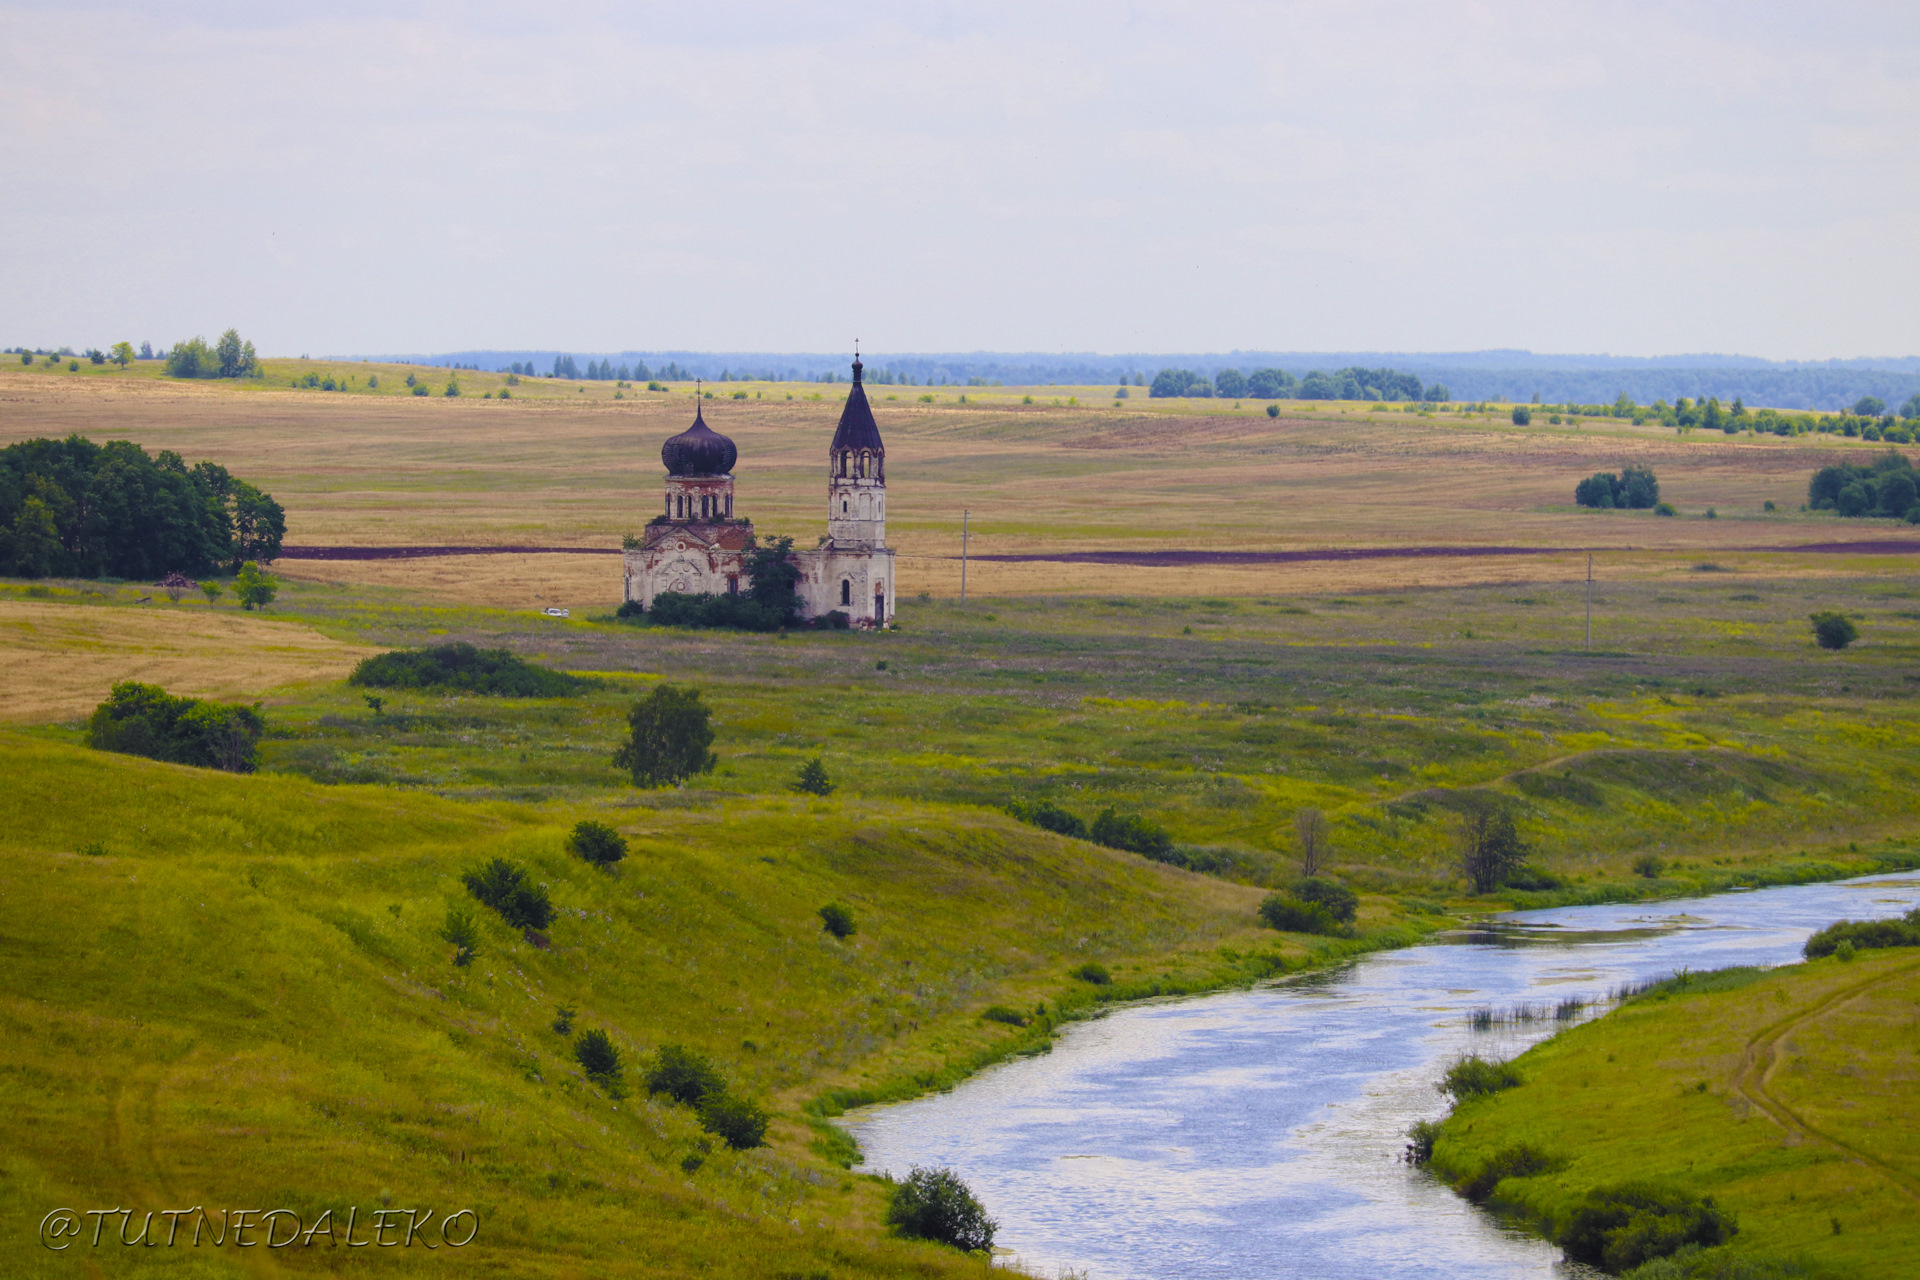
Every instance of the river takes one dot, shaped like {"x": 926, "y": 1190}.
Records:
{"x": 1256, "y": 1135}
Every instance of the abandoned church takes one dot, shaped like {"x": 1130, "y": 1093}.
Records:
{"x": 700, "y": 546}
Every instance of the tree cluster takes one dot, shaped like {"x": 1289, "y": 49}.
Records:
{"x": 1353, "y": 383}
{"x": 1887, "y": 486}
{"x": 688, "y": 1077}
{"x": 145, "y": 720}
{"x": 228, "y": 358}
{"x": 1634, "y": 488}
{"x": 462, "y": 668}
{"x": 73, "y": 508}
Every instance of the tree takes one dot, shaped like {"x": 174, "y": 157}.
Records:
{"x": 933, "y": 1204}
{"x": 813, "y": 779}
{"x": 1869, "y": 407}
{"x": 1311, "y": 836}
{"x": 598, "y": 843}
{"x": 1331, "y": 896}
{"x": 1171, "y": 383}
{"x": 254, "y": 589}
{"x": 123, "y": 354}
{"x": 1269, "y": 384}
{"x": 191, "y": 359}
{"x": 1833, "y": 630}
{"x": 837, "y": 920}
{"x": 1911, "y": 409}
{"x": 739, "y": 1122}
{"x": 685, "y": 1075}
{"x": 1490, "y": 847}
{"x": 503, "y": 886}
{"x": 1230, "y": 383}
{"x": 233, "y": 358}
{"x": 597, "y": 1055}
{"x": 212, "y": 591}
{"x": 31, "y": 548}
{"x": 772, "y": 577}
{"x": 463, "y": 933}
{"x": 1522, "y": 415}
{"x": 670, "y": 738}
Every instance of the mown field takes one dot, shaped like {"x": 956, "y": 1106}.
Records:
{"x": 175, "y": 1032}
{"x": 1790, "y": 1097}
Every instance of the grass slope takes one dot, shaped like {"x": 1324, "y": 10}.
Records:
{"x": 245, "y": 1003}
{"x": 1789, "y": 1096}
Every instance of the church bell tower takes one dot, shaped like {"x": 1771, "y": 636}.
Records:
{"x": 857, "y": 476}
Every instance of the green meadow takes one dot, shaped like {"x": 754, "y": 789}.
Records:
{"x": 1787, "y": 1096}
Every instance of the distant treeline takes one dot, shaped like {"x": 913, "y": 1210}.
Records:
{"x": 1278, "y": 384}
{"x": 73, "y": 508}
{"x": 1512, "y": 376}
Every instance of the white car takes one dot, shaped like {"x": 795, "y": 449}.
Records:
{"x": 552, "y": 612}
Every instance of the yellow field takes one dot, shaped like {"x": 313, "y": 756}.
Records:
{"x": 580, "y": 471}
{"x": 61, "y": 660}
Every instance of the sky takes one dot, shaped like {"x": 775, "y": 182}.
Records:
{"x": 351, "y": 178}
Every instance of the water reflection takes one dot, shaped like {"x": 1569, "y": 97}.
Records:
{"x": 1257, "y": 1133}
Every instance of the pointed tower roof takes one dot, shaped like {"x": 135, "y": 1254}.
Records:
{"x": 699, "y": 450}
{"x": 857, "y": 428}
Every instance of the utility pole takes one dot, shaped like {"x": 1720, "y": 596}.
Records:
{"x": 1589, "y": 599}
{"x": 963, "y": 556}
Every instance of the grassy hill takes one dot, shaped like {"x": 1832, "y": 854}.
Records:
{"x": 244, "y": 1002}
{"x": 1789, "y": 1096}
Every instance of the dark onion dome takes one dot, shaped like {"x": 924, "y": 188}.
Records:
{"x": 698, "y": 451}
{"x": 857, "y": 428}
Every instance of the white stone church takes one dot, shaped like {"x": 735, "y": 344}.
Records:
{"x": 699, "y": 545}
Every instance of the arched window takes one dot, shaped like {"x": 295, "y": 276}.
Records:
{"x": 729, "y": 506}
{"x": 846, "y": 591}
{"x": 843, "y": 506}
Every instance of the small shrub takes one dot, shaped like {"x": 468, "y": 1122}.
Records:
{"x": 813, "y": 779}
{"x": 1833, "y": 630}
{"x": 93, "y": 849}
{"x": 1049, "y": 816}
{"x": 685, "y": 1075}
{"x": 1420, "y": 1140}
{"x": 598, "y": 843}
{"x": 1291, "y": 915}
{"x": 1865, "y": 935}
{"x": 1649, "y": 866}
{"x": 563, "y": 1019}
{"x": 1131, "y": 832}
{"x": 837, "y": 920}
{"x": 1336, "y": 899}
{"x": 933, "y": 1204}
{"x": 503, "y": 886}
{"x": 739, "y": 1122}
{"x": 1475, "y": 1077}
{"x": 463, "y": 933}
{"x": 1000, "y": 1013}
{"x": 597, "y": 1055}
{"x": 1521, "y": 1161}
{"x": 1665, "y": 509}
{"x": 1096, "y": 974}
{"x": 1621, "y": 1227}
{"x": 375, "y": 704}
{"x": 1273, "y": 411}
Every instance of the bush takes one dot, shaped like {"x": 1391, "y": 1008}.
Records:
{"x": 685, "y": 1075}
{"x": 668, "y": 739}
{"x": 254, "y": 589}
{"x": 1131, "y": 832}
{"x": 739, "y": 1122}
{"x": 1050, "y": 817}
{"x": 1273, "y": 411}
{"x": 145, "y": 720}
{"x": 1520, "y": 1161}
{"x": 1863, "y": 935}
{"x": 933, "y": 1204}
{"x": 1665, "y": 509}
{"x": 597, "y": 843}
{"x": 1532, "y": 878}
{"x": 1649, "y": 866}
{"x": 1336, "y": 899}
{"x": 1420, "y": 1140}
{"x": 1096, "y": 974}
{"x": 1000, "y": 1013}
{"x": 1475, "y": 1077}
{"x": 464, "y": 669}
{"x": 837, "y": 920}
{"x": 419, "y": 388}
{"x": 1522, "y": 415}
{"x": 813, "y": 779}
{"x": 1833, "y": 630}
{"x": 463, "y": 933}
{"x": 1291, "y": 915}
{"x": 503, "y": 886}
{"x": 597, "y": 1055}
{"x": 1618, "y": 1228}
{"x": 1634, "y": 488}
